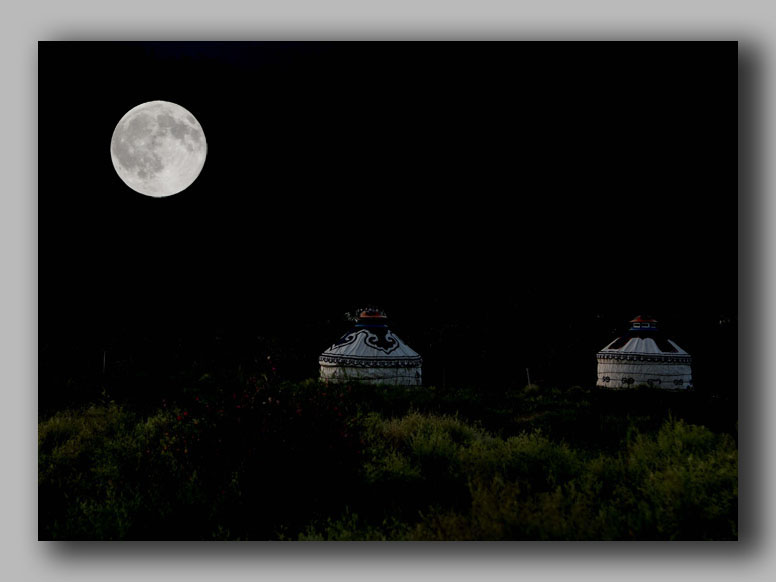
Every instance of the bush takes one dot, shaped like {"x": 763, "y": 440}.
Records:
{"x": 241, "y": 464}
{"x": 94, "y": 471}
{"x": 446, "y": 480}
{"x": 680, "y": 484}
{"x": 236, "y": 457}
{"x": 350, "y": 527}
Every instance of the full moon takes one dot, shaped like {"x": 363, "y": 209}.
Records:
{"x": 158, "y": 148}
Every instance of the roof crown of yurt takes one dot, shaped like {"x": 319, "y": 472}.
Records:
{"x": 644, "y": 356}
{"x": 371, "y": 353}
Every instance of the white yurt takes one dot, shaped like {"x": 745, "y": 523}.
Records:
{"x": 371, "y": 353}
{"x": 644, "y": 356}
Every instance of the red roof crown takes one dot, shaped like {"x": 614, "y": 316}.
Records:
{"x": 643, "y": 318}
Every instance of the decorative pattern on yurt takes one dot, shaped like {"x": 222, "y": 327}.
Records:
{"x": 644, "y": 356}
{"x": 371, "y": 353}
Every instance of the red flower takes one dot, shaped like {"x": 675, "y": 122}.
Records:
{"x": 179, "y": 417}
{"x": 185, "y": 413}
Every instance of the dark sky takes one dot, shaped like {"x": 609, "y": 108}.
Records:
{"x": 515, "y": 187}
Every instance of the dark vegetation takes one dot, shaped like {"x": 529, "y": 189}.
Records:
{"x": 247, "y": 455}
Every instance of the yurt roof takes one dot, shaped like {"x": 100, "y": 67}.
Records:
{"x": 643, "y": 337}
{"x": 644, "y": 345}
{"x": 371, "y": 343}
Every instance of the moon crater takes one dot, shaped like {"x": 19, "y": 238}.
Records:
{"x": 158, "y": 148}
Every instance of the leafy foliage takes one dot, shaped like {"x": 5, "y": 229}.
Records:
{"x": 251, "y": 457}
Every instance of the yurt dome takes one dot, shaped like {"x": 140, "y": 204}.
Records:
{"x": 371, "y": 353}
{"x": 644, "y": 356}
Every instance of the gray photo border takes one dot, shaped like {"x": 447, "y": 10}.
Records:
{"x": 26, "y": 23}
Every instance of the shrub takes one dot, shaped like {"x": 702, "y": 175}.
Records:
{"x": 227, "y": 462}
{"x": 678, "y": 484}
{"x": 94, "y": 468}
{"x": 237, "y": 457}
{"x": 350, "y": 527}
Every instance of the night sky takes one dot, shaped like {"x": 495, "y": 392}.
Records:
{"x": 508, "y": 204}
